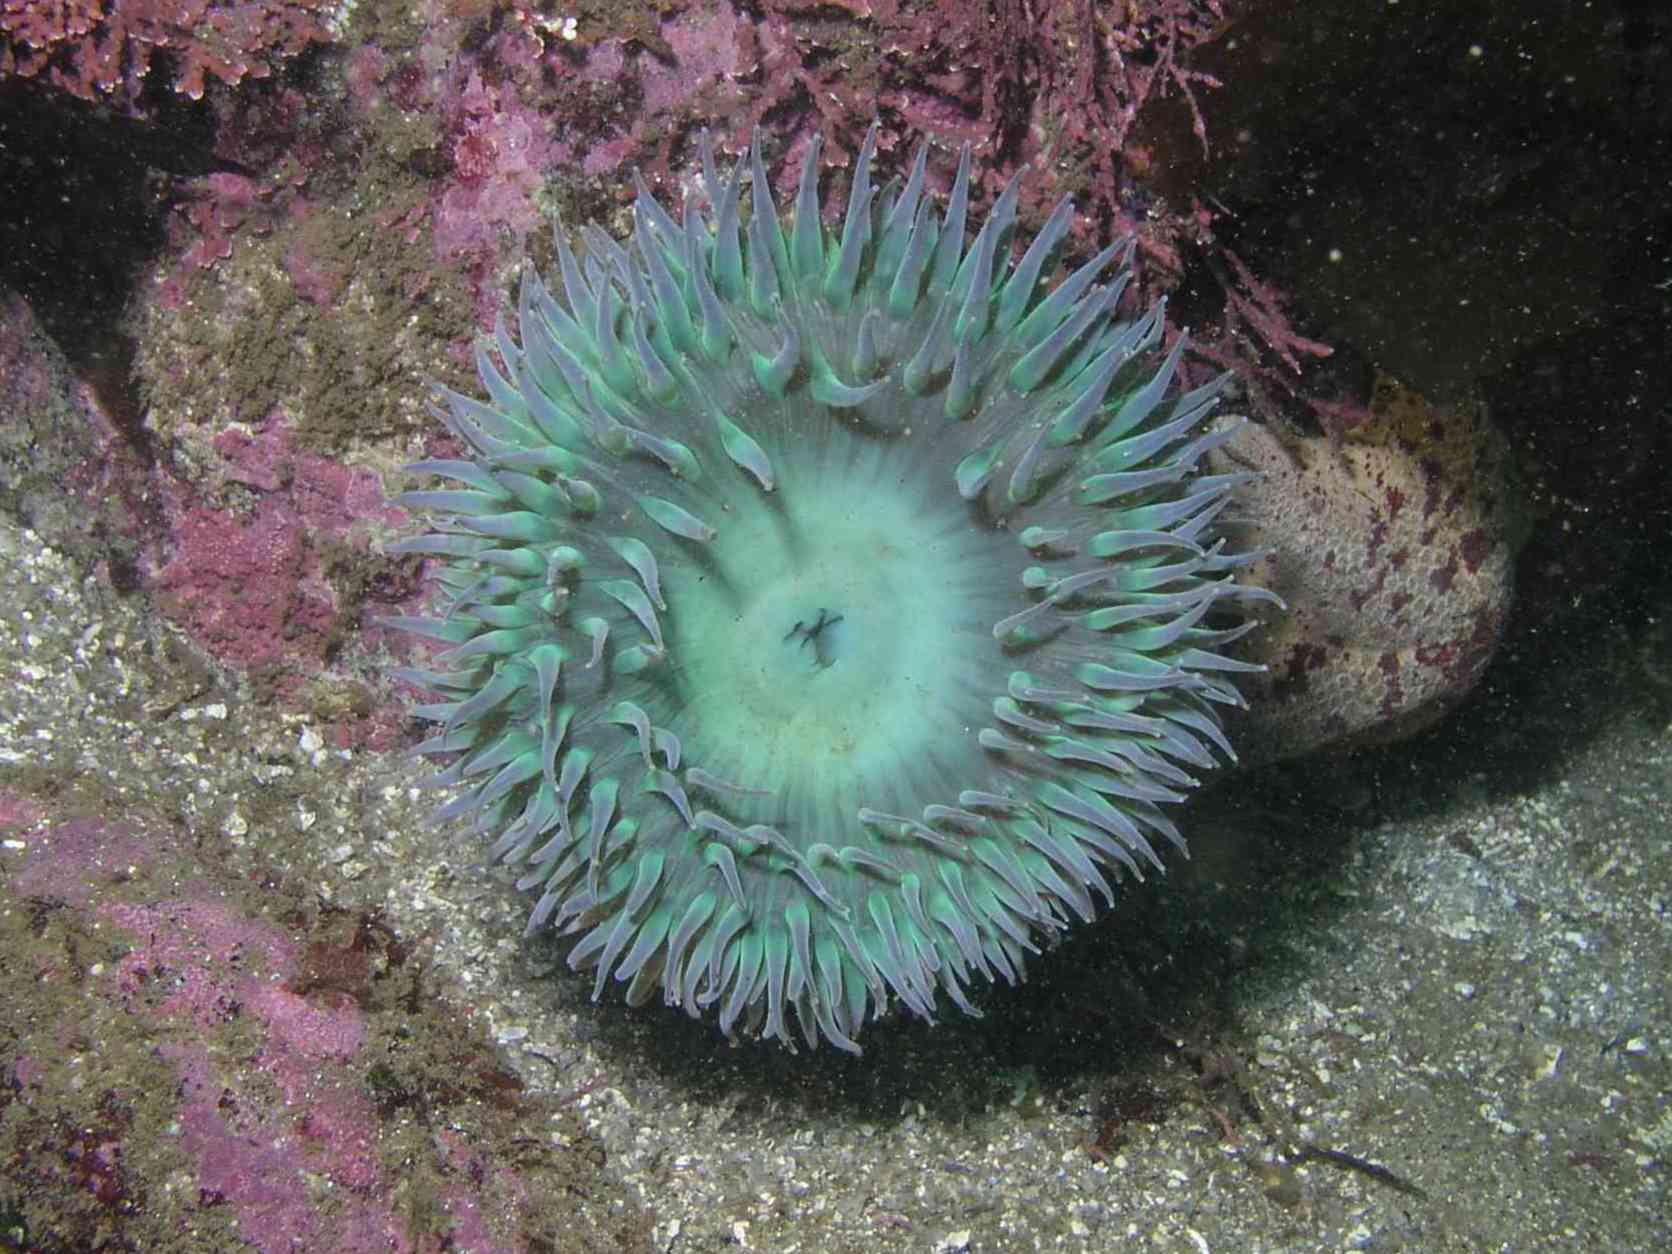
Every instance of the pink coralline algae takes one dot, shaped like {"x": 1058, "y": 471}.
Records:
{"x": 17, "y": 812}
{"x": 245, "y": 585}
{"x": 78, "y": 858}
{"x": 264, "y": 555}
{"x": 216, "y": 206}
{"x": 198, "y": 965}
{"x": 197, "y": 969}
{"x": 499, "y": 151}
{"x": 95, "y": 48}
{"x": 252, "y": 583}
{"x": 178, "y": 1024}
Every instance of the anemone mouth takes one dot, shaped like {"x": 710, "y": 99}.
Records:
{"x": 835, "y": 638}
{"x": 824, "y": 619}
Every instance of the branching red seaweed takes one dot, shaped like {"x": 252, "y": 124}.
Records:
{"x": 104, "y": 48}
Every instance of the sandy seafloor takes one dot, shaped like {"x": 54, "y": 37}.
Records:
{"x": 1448, "y": 960}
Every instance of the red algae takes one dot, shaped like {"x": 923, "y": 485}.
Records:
{"x": 280, "y": 1107}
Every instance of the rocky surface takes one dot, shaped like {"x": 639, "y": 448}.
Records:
{"x": 255, "y": 1001}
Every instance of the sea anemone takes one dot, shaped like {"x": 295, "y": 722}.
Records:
{"x": 825, "y": 618}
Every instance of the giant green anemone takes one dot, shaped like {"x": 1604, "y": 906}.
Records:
{"x": 825, "y": 619}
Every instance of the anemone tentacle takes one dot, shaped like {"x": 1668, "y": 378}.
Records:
{"x": 824, "y": 619}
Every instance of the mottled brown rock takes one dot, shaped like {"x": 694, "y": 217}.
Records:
{"x": 1393, "y": 548}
